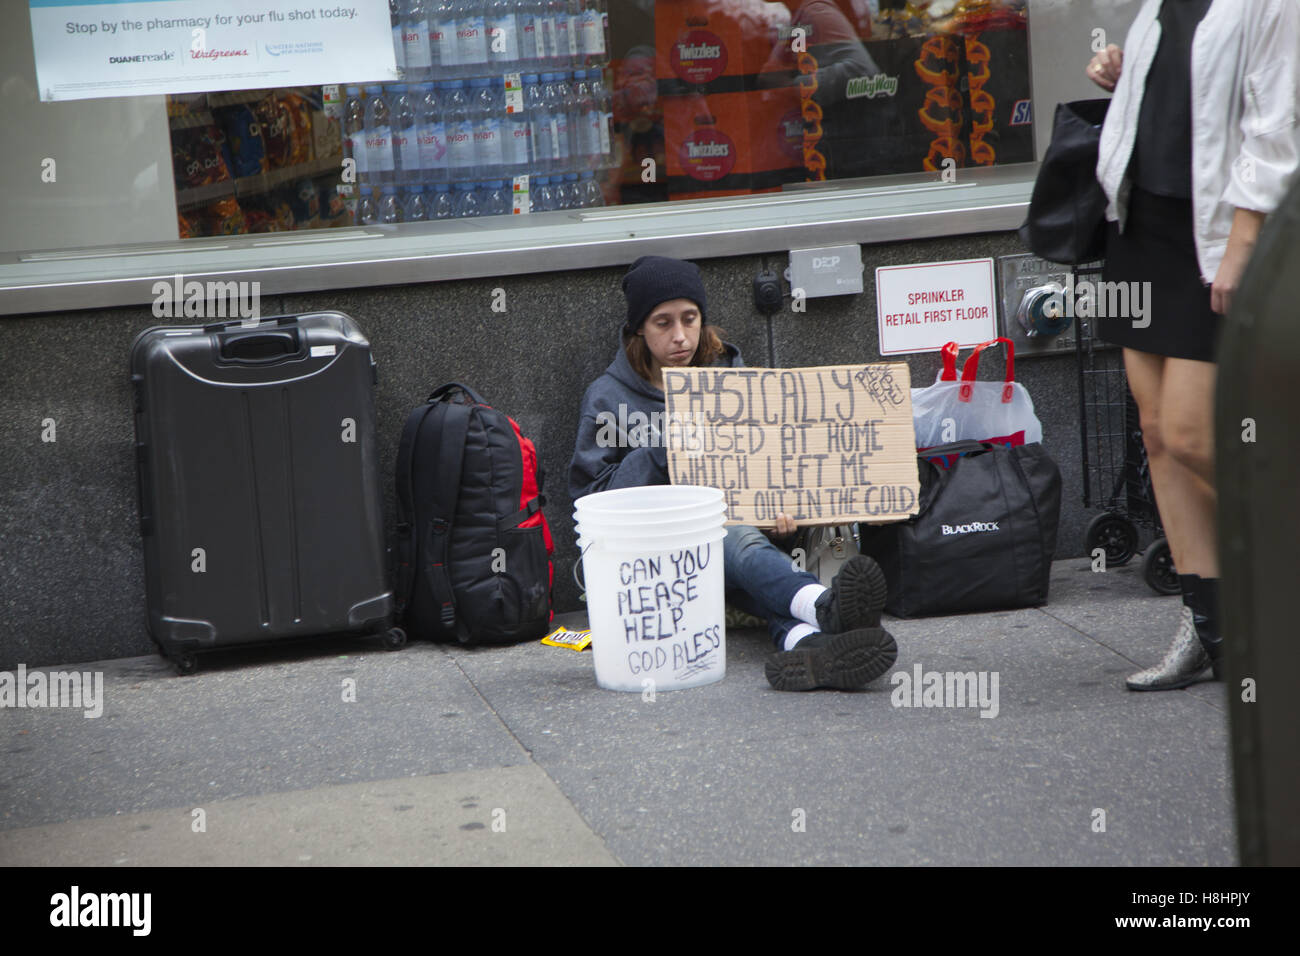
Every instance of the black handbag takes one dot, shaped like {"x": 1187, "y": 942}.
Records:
{"x": 1067, "y": 211}
{"x": 984, "y": 536}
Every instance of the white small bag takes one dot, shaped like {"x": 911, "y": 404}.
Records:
{"x": 970, "y": 410}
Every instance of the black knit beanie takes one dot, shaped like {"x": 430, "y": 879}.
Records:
{"x": 653, "y": 280}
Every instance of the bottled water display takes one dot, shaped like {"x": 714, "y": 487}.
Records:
{"x": 491, "y": 90}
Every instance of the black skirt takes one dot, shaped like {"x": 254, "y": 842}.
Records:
{"x": 1158, "y": 246}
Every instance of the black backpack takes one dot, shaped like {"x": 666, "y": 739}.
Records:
{"x": 473, "y": 547}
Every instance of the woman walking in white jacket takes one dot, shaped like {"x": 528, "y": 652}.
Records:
{"x": 1200, "y": 144}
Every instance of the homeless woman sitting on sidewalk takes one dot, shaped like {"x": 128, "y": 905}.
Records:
{"x": 825, "y": 637}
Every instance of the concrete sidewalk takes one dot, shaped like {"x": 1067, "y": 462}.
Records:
{"x": 513, "y": 755}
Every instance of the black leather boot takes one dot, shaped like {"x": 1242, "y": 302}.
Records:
{"x": 1205, "y": 614}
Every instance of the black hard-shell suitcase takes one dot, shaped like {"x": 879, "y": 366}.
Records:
{"x": 260, "y": 503}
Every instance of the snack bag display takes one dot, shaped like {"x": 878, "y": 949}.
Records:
{"x": 276, "y": 124}
{"x": 224, "y": 217}
{"x": 298, "y": 111}
{"x": 244, "y": 134}
{"x": 199, "y": 157}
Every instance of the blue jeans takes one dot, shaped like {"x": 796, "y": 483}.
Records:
{"x": 761, "y": 579}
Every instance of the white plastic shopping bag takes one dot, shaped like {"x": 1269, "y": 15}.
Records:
{"x": 971, "y": 410}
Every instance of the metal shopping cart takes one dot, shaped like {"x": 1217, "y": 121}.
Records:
{"x": 1116, "y": 477}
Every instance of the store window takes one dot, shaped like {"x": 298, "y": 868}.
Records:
{"x": 503, "y": 136}
{"x": 541, "y": 105}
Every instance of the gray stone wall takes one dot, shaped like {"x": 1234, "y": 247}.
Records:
{"x": 71, "y": 569}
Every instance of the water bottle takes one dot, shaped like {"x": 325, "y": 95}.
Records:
{"x": 573, "y": 10}
{"x": 503, "y": 36}
{"x": 442, "y": 206}
{"x": 578, "y": 139}
{"x": 485, "y": 115}
{"x": 413, "y": 208}
{"x": 365, "y": 215}
{"x": 387, "y": 208}
{"x": 466, "y": 202}
{"x": 539, "y": 122}
{"x": 471, "y": 37}
{"x": 379, "y": 135}
{"x": 593, "y": 24}
{"x": 605, "y": 107}
{"x": 354, "y": 132}
{"x": 430, "y": 135}
{"x": 561, "y": 121}
{"x": 415, "y": 40}
{"x": 546, "y": 22}
{"x": 495, "y": 198}
{"x": 539, "y": 194}
{"x": 399, "y": 46}
{"x": 460, "y": 130}
{"x": 530, "y": 35}
{"x": 588, "y": 120}
{"x": 442, "y": 34}
{"x": 589, "y": 190}
{"x": 560, "y": 19}
{"x": 566, "y": 194}
{"x": 516, "y": 140}
{"x": 406, "y": 145}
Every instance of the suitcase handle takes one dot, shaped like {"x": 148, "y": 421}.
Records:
{"x": 257, "y": 348}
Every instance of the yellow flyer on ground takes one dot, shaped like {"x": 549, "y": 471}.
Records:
{"x": 823, "y": 445}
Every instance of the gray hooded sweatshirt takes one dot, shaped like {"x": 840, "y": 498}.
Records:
{"x": 617, "y": 447}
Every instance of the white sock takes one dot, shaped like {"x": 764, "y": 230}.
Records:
{"x": 797, "y": 634}
{"x": 804, "y": 604}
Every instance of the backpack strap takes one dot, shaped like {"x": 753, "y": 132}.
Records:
{"x": 406, "y": 548}
{"x": 522, "y": 515}
{"x": 451, "y": 458}
{"x": 442, "y": 391}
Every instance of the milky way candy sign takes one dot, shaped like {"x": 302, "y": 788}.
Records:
{"x": 822, "y": 445}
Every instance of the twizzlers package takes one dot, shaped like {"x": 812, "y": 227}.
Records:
{"x": 726, "y": 132}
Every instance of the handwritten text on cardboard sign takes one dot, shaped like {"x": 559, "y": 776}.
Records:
{"x": 823, "y": 445}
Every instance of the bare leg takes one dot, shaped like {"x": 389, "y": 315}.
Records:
{"x": 1187, "y": 426}
{"x": 1175, "y": 398}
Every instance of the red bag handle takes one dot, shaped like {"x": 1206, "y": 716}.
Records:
{"x": 949, "y": 353}
{"x": 971, "y": 369}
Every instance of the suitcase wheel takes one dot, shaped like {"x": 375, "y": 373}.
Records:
{"x": 394, "y": 638}
{"x": 186, "y": 663}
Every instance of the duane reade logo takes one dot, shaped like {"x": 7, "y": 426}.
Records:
{"x": 82, "y": 691}
{"x": 972, "y": 528}
{"x": 922, "y": 688}
{"x": 180, "y": 298}
{"x": 75, "y": 908}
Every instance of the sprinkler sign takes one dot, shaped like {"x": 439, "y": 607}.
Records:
{"x": 823, "y": 445}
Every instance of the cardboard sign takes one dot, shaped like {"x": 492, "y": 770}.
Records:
{"x": 920, "y": 308}
{"x": 823, "y": 445}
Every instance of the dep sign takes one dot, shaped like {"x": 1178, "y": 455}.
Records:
{"x": 824, "y": 445}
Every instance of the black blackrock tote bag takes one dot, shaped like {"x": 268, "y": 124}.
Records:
{"x": 1067, "y": 211}
{"x": 984, "y": 536}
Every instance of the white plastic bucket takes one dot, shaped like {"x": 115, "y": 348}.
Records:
{"x": 650, "y": 504}
{"x": 658, "y": 529}
{"x": 654, "y": 601}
